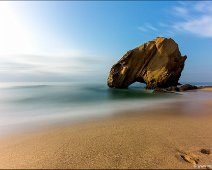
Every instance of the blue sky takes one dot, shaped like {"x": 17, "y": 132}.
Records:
{"x": 70, "y": 40}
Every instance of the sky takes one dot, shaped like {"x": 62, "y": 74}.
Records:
{"x": 71, "y": 41}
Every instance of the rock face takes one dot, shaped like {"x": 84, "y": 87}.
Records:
{"x": 171, "y": 89}
{"x": 158, "y": 63}
{"x": 186, "y": 87}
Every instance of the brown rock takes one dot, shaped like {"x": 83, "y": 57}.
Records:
{"x": 172, "y": 88}
{"x": 160, "y": 90}
{"x": 186, "y": 87}
{"x": 158, "y": 63}
{"x": 205, "y": 151}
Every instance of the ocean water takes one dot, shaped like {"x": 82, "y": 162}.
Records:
{"x": 25, "y": 105}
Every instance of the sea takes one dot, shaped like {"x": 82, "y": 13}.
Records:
{"x": 26, "y": 105}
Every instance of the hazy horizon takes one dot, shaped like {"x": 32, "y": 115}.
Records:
{"x": 80, "y": 41}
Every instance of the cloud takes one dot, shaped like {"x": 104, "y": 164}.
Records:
{"x": 143, "y": 29}
{"x": 201, "y": 26}
{"x": 48, "y": 67}
{"x": 148, "y": 27}
{"x": 180, "y": 11}
{"x": 203, "y": 7}
{"x": 151, "y": 27}
{"x": 195, "y": 19}
{"x": 186, "y": 18}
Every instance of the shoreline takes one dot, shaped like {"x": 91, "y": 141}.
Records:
{"x": 82, "y": 115}
{"x": 152, "y": 138}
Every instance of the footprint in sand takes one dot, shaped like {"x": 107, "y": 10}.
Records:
{"x": 188, "y": 157}
{"x": 192, "y": 158}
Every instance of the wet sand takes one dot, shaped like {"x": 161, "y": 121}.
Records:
{"x": 209, "y": 89}
{"x": 155, "y": 138}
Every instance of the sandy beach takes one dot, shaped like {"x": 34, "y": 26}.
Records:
{"x": 154, "y": 138}
{"x": 106, "y": 85}
{"x": 207, "y": 89}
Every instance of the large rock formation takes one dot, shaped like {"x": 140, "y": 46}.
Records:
{"x": 158, "y": 63}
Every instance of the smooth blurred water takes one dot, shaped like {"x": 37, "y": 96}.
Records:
{"x": 27, "y": 104}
